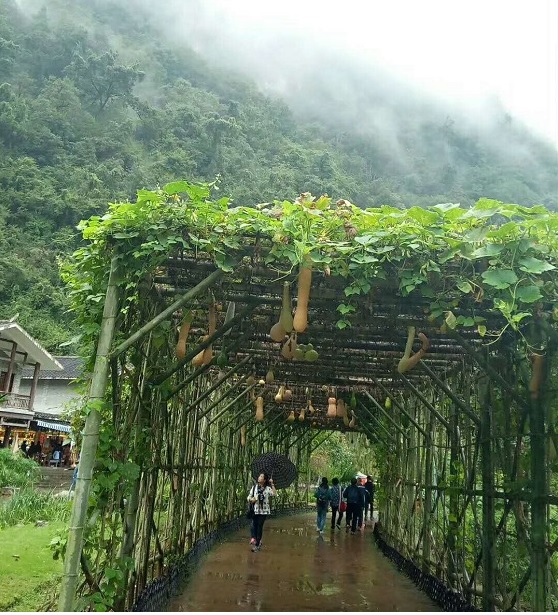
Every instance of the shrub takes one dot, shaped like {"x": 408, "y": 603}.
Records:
{"x": 29, "y": 506}
{"x": 15, "y": 470}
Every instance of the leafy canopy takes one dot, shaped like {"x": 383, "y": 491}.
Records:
{"x": 497, "y": 255}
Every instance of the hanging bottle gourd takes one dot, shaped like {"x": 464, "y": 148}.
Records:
{"x": 279, "y": 395}
{"x": 243, "y": 435}
{"x": 287, "y": 395}
{"x": 300, "y": 321}
{"x": 291, "y": 417}
{"x": 302, "y": 415}
{"x": 269, "y": 377}
{"x": 331, "y": 407}
{"x": 183, "y": 335}
{"x": 259, "y": 409}
{"x": 352, "y": 422}
{"x": 340, "y": 408}
{"x": 346, "y": 419}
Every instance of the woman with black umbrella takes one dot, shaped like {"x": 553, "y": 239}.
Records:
{"x": 259, "y": 496}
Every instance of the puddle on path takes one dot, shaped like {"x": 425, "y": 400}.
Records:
{"x": 299, "y": 570}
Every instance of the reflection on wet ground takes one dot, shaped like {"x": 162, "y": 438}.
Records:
{"x": 299, "y": 570}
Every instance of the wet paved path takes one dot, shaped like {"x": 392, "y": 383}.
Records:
{"x": 299, "y": 570}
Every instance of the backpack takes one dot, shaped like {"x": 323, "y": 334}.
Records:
{"x": 353, "y": 495}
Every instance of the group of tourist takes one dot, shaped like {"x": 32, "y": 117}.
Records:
{"x": 356, "y": 501}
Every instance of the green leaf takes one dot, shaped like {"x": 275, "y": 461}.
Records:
{"x": 464, "y": 286}
{"x": 528, "y": 294}
{"x": 176, "y": 187}
{"x": 491, "y": 249}
{"x": 451, "y": 320}
{"x": 530, "y": 264}
{"x": 482, "y": 330}
{"x": 499, "y": 278}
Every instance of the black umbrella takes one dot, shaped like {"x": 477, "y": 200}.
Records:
{"x": 278, "y": 467}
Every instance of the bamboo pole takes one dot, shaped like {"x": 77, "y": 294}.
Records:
{"x": 488, "y": 510}
{"x": 191, "y": 294}
{"x": 90, "y": 441}
{"x": 388, "y": 417}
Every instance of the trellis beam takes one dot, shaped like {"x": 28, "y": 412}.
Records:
{"x": 162, "y": 316}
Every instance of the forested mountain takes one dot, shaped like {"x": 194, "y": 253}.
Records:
{"x": 96, "y": 101}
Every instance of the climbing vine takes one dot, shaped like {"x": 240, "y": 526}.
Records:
{"x": 497, "y": 254}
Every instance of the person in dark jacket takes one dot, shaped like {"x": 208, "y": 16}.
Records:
{"x": 355, "y": 504}
{"x": 336, "y": 499}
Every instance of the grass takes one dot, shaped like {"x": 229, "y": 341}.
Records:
{"x": 29, "y": 582}
{"x": 29, "y": 505}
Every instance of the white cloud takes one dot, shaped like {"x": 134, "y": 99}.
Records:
{"x": 462, "y": 52}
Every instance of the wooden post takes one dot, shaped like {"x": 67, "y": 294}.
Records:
{"x": 89, "y": 446}
{"x": 33, "y": 391}
{"x": 8, "y": 379}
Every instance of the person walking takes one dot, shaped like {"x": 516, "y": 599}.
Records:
{"x": 354, "y": 498}
{"x": 322, "y": 504}
{"x": 259, "y": 495}
{"x": 336, "y": 499}
{"x": 365, "y": 499}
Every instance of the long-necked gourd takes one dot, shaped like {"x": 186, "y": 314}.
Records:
{"x": 352, "y": 422}
{"x": 243, "y": 435}
{"x": 197, "y": 361}
{"x": 302, "y": 415}
{"x": 259, "y": 408}
{"x": 331, "y": 407}
{"x": 407, "y": 361}
{"x": 291, "y": 417}
{"x": 286, "y": 316}
{"x": 300, "y": 321}
{"x": 183, "y": 335}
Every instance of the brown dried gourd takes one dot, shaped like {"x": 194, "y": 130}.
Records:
{"x": 331, "y": 407}
{"x": 183, "y": 335}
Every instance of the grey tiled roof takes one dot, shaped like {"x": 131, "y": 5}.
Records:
{"x": 73, "y": 366}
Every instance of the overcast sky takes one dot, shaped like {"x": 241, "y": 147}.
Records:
{"x": 464, "y": 52}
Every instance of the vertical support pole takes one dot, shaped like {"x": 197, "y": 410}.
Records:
{"x": 538, "y": 504}
{"x": 453, "y": 499}
{"x": 97, "y": 390}
{"x": 488, "y": 510}
{"x": 33, "y": 391}
{"x": 428, "y": 481}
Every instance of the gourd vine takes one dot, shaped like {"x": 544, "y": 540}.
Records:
{"x": 500, "y": 255}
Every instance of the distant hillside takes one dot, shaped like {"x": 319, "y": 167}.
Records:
{"x": 95, "y": 102}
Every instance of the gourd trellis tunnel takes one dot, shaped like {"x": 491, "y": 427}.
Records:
{"x": 179, "y": 295}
